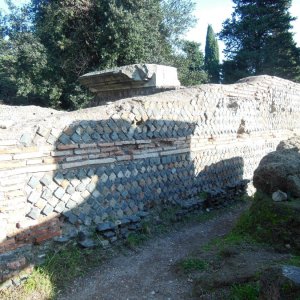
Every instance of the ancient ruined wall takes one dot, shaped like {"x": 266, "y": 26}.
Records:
{"x": 61, "y": 172}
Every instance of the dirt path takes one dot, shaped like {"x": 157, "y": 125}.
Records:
{"x": 147, "y": 273}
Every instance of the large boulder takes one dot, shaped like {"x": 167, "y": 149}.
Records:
{"x": 280, "y": 170}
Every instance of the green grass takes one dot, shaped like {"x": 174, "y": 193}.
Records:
{"x": 269, "y": 222}
{"x": 40, "y": 281}
{"x": 294, "y": 261}
{"x": 58, "y": 269}
{"x": 231, "y": 239}
{"x": 70, "y": 261}
{"x": 246, "y": 291}
{"x": 136, "y": 239}
{"x": 192, "y": 264}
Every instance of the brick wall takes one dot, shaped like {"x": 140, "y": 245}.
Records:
{"x": 111, "y": 163}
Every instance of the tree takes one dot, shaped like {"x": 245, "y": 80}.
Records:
{"x": 177, "y": 18}
{"x": 77, "y": 36}
{"x": 212, "y": 56}
{"x": 258, "y": 40}
{"x": 190, "y": 64}
{"x": 23, "y": 62}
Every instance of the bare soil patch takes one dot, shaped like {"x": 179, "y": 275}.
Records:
{"x": 150, "y": 272}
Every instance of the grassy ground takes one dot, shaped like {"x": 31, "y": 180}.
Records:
{"x": 229, "y": 267}
{"x": 70, "y": 261}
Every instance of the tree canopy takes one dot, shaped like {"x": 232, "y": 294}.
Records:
{"x": 46, "y": 45}
{"x": 259, "y": 40}
{"x": 190, "y": 64}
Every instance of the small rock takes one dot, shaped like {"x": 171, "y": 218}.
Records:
{"x": 279, "y": 196}
{"x": 105, "y": 226}
{"x": 108, "y": 234}
{"x": 292, "y": 273}
{"x": 87, "y": 243}
{"x": 104, "y": 243}
{"x": 61, "y": 239}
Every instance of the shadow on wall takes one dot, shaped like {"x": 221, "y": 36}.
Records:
{"x": 111, "y": 172}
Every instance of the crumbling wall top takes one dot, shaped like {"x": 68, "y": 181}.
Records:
{"x": 131, "y": 76}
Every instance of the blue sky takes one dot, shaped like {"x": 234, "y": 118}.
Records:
{"x": 214, "y": 12}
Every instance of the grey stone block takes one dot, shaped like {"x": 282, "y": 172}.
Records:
{"x": 71, "y": 204}
{"x": 64, "y": 139}
{"x": 134, "y": 219}
{"x": 26, "y": 139}
{"x": 87, "y": 243}
{"x": 59, "y": 207}
{"x": 33, "y": 197}
{"x": 86, "y": 138}
{"x": 48, "y": 209}
{"x": 58, "y": 178}
{"x": 76, "y": 138}
{"x": 34, "y": 213}
{"x": 91, "y": 187}
{"x": 59, "y": 192}
{"x": 105, "y": 227}
{"x": 70, "y": 190}
{"x": 33, "y": 182}
{"x": 46, "y": 180}
{"x": 108, "y": 234}
{"x": 73, "y": 219}
{"x": 80, "y": 187}
{"x": 47, "y": 194}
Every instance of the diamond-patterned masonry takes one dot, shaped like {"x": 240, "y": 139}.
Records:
{"x": 106, "y": 164}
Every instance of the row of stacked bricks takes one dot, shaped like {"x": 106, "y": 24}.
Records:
{"x": 114, "y": 162}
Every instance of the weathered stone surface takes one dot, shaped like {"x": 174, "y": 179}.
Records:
{"x": 105, "y": 227}
{"x": 135, "y": 76}
{"x": 293, "y": 185}
{"x": 117, "y": 161}
{"x": 279, "y": 170}
{"x": 34, "y": 213}
{"x": 87, "y": 243}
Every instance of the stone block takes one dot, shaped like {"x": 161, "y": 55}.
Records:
{"x": 33, "y": 182}
{"x": 46, "y": 180}
{"x": 48, "y": 209}
{"x": 34, "y": 213}
{"x": 107, "y": 226}
{"x": 26, "y": 139}
{"x": 59, "y": 208}
{"x": 33, "y": 197}
{"x": 59, "y": 193}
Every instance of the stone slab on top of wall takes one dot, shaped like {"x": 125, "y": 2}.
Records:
{"x": 129, "y": 81}
{"x": 65, "y": 171}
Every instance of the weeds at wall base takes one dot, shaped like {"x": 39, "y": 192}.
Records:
{"x": 249, "y": 291}
{"x": 62, "y": 266}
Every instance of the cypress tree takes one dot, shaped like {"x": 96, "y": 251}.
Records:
{"x": 259, "y": 40}
{"x": 212, "y": 56}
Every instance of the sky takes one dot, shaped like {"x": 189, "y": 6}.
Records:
{"x": 213, "y": 12}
